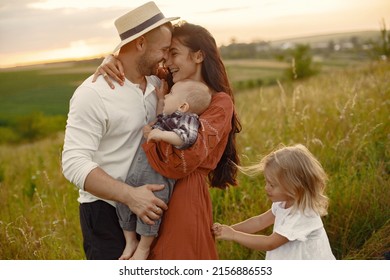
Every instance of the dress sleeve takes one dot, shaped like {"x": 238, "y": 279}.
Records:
{"x": 215, "y": 125}
{"x": 298, "y": 226}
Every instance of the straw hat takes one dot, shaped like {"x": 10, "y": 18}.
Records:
{"x": 138, "y": 22}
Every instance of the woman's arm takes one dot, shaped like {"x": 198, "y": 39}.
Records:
{"x": 213, "y": 131}
{"x": 111, "y": 69}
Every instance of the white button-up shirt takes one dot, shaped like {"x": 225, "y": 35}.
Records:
{"x": 104, "y": 129}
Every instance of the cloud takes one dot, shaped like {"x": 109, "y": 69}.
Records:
{"x": 25, "y": 28}
{"x": 227, "y": 10}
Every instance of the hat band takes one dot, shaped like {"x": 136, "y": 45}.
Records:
{"x": 141, "y": 26}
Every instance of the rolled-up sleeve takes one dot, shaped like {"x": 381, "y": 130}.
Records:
{"x": 187, "y": 130}
{"x": 84, "y": 129}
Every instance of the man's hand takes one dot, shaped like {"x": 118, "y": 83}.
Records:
{"x": 145, "y": 204}
{"x": 140, "y": 200}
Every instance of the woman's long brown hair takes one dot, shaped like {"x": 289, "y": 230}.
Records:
{"x": 197, "y": 38}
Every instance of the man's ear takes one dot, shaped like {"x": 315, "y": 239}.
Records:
{"x": 198, "y": 56}
{"x": 140, "y": 43}
{"x": 184, "y": 107}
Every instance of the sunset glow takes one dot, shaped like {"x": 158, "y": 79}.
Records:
{"x": 47, "y": 30}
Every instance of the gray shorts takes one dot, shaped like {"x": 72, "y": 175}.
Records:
{"x": 141, "y": 173}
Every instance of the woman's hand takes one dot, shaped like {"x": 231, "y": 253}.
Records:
{"x": 111, "y": 69}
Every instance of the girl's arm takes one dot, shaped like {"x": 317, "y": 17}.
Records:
{"x": 252, "y": 241}
{"x": 256, "y": 224}
{"x": 242, "y": 233}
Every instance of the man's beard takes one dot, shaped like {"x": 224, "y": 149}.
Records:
{"x": 146, "y": 66}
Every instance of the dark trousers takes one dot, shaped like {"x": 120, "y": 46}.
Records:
{"x": 103, "y": 237}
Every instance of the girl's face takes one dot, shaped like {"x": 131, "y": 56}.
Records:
{"x": 276, "y": 192}
{"x": 181, "y": 63}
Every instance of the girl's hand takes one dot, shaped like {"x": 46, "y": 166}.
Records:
{"x": 217, "y": 227}
{"x": 223, "y": 231}
{"x": 111, "y": 69}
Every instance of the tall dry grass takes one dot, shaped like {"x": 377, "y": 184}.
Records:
{"x": 342, "y": 117}
{"x": 38, "y": 216}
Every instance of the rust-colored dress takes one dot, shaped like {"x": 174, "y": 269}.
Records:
{"x": 185, "y": 232}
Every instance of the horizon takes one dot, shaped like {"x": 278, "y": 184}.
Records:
{"x": 101, "y": 56}
{"x": 59, "y": 30}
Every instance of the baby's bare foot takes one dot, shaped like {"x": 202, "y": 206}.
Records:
{"x": 140, "y": 254}
{"x": 129, "y": 250}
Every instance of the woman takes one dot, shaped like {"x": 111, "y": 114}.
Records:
{"x": 186, "y": 230}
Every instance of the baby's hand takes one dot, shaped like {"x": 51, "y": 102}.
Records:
{"x": 162, "y": 90}
{"x": 154, "y": 134}
{"x": 146, "y": 130}
{"x": 162, "y": 72}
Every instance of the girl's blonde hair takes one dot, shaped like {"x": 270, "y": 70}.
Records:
{"x": 296, "y": 170}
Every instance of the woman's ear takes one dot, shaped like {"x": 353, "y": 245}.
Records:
{"x": 184, "y": 107}
{"x": 198, "y": 56}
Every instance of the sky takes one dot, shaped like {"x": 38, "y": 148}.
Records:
{"x": 32, "y": 31}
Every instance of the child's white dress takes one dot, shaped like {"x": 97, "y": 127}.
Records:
{"x": 305, "y": 232}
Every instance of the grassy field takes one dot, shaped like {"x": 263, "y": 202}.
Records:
{"x": 342, "y": 116}
{"x": 46, "y": 88}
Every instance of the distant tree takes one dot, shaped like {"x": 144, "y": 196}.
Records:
{"x": 301, "y": 62}
{"x": 385, "y": 41}
{"x": 354, "y": 41}
{"x": 331, "y": 45}
{"x": 381, "y": 48}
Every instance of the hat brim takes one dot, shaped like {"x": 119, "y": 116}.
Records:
{"x": 146, "y": 30}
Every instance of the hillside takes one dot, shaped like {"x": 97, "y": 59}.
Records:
{"x": 362, "y": 36}
{"x": 34, "y": 99}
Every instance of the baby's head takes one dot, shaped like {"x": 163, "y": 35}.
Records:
{"x": 187, "y": 96}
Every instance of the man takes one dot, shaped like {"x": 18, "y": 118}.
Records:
{"x": 104, "y": 130}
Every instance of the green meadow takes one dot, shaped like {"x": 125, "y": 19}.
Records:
{"x": 341, "y": 115}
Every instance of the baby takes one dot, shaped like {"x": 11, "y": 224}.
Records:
{"x": 177, "y": 123}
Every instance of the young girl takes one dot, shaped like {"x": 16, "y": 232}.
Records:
{"x": 295, "y": 183}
